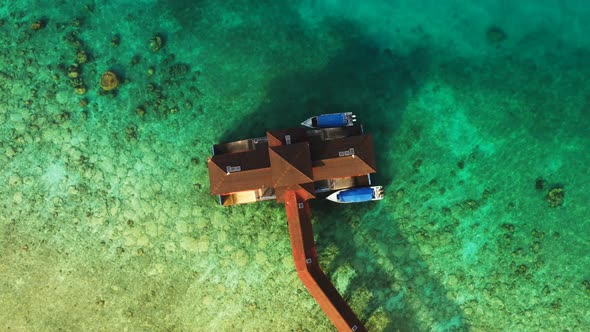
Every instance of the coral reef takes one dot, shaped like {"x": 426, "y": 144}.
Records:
{"x": 555, "y": 196}
{"x": 80, "y": 89}
{"x": 109, "y": 81}
{"x": 135, "y": 60}
{"x": 39, "y": 24}
{"x": 140, "y": 110}
{"x": 73, "y": 71}
{"x": 115, "y": 40}
{"x": 75, "y": 75}
{"x": 156, "y": 43}
{"x": 495, "y": 35}
{"x": 178, "y": 69}
{"x": 77, "y": 22}
{"x": 82, "y": 57}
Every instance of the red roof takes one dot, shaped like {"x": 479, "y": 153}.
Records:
{"x": 254, "y": 171}
{"x": 350, "y": 156}
{"x": 292, "y": 166}
{"x": 305, "y": 191}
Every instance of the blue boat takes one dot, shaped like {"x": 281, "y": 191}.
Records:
{"x": 357, "y": 195}
{"x": 331, "y": 120}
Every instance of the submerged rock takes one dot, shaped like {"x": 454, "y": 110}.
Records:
{"x": 495, "y": 35}
{"x": 555, "y": 196}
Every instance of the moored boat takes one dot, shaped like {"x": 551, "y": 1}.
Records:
{"x": 357, "y": 195}
{"x": 330, "y": 120}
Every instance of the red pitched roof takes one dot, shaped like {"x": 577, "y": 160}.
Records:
{"x": 350, "y": 156}
{"x": 254, "y": 171}
{"x": 291, "y": 164}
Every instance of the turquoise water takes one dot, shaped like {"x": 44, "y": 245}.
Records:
{"x": 478, "y": 112}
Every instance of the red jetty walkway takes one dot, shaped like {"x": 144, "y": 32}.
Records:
{"x": 308, "y": 267}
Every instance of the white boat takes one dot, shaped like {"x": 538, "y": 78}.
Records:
{"x": 331, "y": 120}
{"x": 357, "y": 195}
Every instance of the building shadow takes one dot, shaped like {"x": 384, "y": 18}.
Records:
{"x": 375, "y": 83}
{"x": 363, "y": 78}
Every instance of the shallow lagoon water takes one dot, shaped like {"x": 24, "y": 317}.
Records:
{"x": 477, "y": 111}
